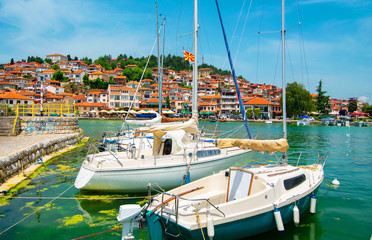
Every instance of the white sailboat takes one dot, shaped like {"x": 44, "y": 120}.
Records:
{"x": 179, "y": 154}
{"x": 236, "y": 203}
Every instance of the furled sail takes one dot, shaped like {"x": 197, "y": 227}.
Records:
{"x": 269, "y": 146}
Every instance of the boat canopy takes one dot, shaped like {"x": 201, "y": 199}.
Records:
{"x": 157, "y": 119}
{"x": 269, "y": 146}
{"x": 159, "y": 131}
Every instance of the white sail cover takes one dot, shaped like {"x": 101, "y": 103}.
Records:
{"x": 157, "y": 119}
{"x": 269, "y": 146}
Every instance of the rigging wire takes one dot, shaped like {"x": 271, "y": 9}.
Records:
{"x": 259, "y": 39}
{"x": 302, "y": 45}
{"x": 143, "y": 34}
{"x": 241, "y": 36}
{"x": 233, "y": 35}
{"x": 37, "y": 210}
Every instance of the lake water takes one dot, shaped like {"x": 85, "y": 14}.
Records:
{"x": 342, "y": 213}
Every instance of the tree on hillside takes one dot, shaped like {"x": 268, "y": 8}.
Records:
{"x": 322, "y": 100}
{"x": 55, "y": 67}
{"x": 69, "y": 57}
{"x": 87, "y": 60}
{"x": 103, "y": 62}
{"x": 11, "y": 61}
{"x": 353, "y": 106}
{"x": 134, "y": 74}
{"x": 299, "y": 100}
{"x": 86, "y": 80}
{"x": 48, "y": 60}
{"x": 58, "y": 76}
{"x": 35, "y": 59}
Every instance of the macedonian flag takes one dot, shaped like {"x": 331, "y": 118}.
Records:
{"x": 188, "y": 56}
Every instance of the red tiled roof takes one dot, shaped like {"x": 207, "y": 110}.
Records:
{"x": 86, "y": 104}
{"x": 258, "y": 101}
{"x": 11, "y": 95}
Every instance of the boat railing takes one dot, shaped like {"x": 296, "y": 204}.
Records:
{"x": 93, "y": 150}
{"x": 177, "y": 199}
{"x": 321, "y": 158}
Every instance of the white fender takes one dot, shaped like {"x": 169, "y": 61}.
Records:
{"x": 278, "y": 220}
{"x": 335, "y": 182}
{"x": 313, "y": 205}
{"x": 296, "y": 215}
{"x": 210, "y": 227}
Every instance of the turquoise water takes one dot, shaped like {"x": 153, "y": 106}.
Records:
{"x": 342, "y": 213}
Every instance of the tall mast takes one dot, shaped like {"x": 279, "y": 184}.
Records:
{"x": 158, "y": 42}
{"x": 195, "y": 66}
{"x": 283, "y": 73}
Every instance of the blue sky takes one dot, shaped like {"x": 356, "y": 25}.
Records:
{"x": 337, "y": 36}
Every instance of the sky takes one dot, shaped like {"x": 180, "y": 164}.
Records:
{"x": 332, "y": 43}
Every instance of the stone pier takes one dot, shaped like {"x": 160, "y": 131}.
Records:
{"x": 39, "y": 137}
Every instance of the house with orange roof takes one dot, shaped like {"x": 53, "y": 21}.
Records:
{"x": 77, "y": 76}
{"x": 46, "y": 75}
{"x": 34, "y": 86}
{"x": 12, "y": 99}
{"x": 56, "y": 57}
{"x": 266, "y": 110}
{"x": 95, "y": 67}
{"x": 93, "y": 76}
{"x": 132, "y": 84}
{"x": 20, "y": 81}
{"x": 131, "y": 66}
{"x": 79, "y": 98}
{"x": 54, "y": 88}
{"x": 118, "y": 71}
{"x": 120, "y": 80}
{"x": 29, "y": 94}
{"x": 204, "y": 72}
{"x": 97, "y": 96}
{"x": 122, "y": 96}
{"x": 229, "y": 103}
{"x": 90, "y": 109}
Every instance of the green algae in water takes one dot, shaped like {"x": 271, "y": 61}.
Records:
{"x": 67, "y": 221}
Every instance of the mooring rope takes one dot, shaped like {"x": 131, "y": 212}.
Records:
{"x": 97, "y": 233}
{"x": 30, "y": 214}
{"x": 73, "y": 198}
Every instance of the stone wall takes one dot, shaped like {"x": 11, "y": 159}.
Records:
{"x": 48, "y": 125}
{"x": 6, "y": 126}
{"x": 12, "y": 164}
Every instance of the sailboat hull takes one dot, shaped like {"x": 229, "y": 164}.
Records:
{"x": 239, "y": 229}
{"x": 167, "y": 177}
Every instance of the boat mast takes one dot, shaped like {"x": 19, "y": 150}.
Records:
{"x": 160, "y": 84}
{"x": 284, "y": 100}
{"x": 195, "y": 66}
{"x": 283, "y": 74}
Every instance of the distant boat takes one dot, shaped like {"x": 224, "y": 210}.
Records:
{"x": 269, "y": 121}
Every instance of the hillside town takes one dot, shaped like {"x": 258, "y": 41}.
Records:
{"x": 31, "y": 82}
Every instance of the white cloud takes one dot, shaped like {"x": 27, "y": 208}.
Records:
{"x": 365, "y": 99}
